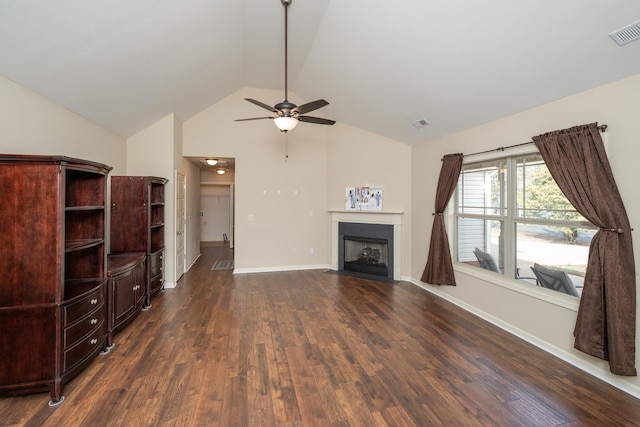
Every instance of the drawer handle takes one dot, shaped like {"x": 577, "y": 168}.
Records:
{"x": 93, "y": 301}
{"x": 94, "y": 341}
{"x": 94, "y": 321}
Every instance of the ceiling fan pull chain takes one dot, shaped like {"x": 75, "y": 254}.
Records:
{"x": 286, "y": 147}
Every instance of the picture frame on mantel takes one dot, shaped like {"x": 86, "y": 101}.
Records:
{"x": 367, "y": 198}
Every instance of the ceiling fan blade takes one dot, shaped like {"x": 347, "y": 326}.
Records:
{"x": 253, "y": 118}
{"x": 316, "y": 120}
{"x": 310, "y": 106}
{"x": 261, "y": 104}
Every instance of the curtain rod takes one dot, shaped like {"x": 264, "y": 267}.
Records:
{"x": 601, "y": 128}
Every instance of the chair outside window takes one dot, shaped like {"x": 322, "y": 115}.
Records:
{"x": 486, "y": 260}
{"x": 554, "y": 279}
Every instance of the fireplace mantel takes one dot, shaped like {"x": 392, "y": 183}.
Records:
{"x": 369, "y": 217}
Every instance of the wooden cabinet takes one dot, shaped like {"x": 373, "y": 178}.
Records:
{"x": 138, "y": 224}
{"x": 53, "y": 270}
{"x": 156, "y": 272}
{"x": 84, "y": 329}
{"x": 127, "y": 274}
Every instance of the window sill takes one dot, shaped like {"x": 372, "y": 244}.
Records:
{"x": 547, "y": 295}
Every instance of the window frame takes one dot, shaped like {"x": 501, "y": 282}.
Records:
{"x": 510, "y": 219}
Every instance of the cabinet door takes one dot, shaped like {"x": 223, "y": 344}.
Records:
{"x": 129, "y": 214}
{"x": 124, "y": 299}
{"x": 140, "y": 273}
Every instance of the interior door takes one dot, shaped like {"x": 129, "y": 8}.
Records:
{"x": 181, "y": 190}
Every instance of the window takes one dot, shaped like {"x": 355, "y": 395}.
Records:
{"x": 511, "y": 216}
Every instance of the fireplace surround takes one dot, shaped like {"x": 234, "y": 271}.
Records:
{"x": 364, "y": 218}
{"x": 366, "y": 249}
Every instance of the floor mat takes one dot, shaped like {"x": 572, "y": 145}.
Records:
{"x": 223, "y": 264}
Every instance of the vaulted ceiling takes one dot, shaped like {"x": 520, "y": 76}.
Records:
{"x": 382, "y": 65}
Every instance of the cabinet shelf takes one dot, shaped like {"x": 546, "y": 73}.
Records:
{"x": 84, "y": 208}
{"x": 156, "y": 250}
{"x": 78, "y": 245}
{"x": 76, "y": 288}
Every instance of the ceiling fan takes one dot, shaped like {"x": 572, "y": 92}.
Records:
{"x": 288, "y": 114}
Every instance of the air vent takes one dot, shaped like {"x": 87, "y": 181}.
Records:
{"x": 420, "y": 123}
{"x": 627, "y": 34}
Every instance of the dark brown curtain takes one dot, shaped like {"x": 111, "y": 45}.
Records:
{"x": 606, "y": 322}
{"x": 439, "y": 268}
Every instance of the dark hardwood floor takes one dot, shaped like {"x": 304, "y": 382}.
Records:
{"x": 314, "y": 348}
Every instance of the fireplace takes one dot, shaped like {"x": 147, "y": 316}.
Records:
{"x": 391, "y": 219}
{"x": 366, "y": 249}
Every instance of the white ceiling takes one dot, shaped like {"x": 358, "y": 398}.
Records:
{"x": 381, "y": 64}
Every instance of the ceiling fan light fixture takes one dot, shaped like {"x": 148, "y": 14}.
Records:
{"x": 212, "y": 162}
{"x": 220, "y": 171}
{"x": 288, "y": 114}
{"x": 285, "y": 123}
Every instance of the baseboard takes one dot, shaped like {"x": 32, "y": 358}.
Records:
{"x": 193, "y": 262}
{"x": 595, "y": 371}
{"x": 282, "y": 268}
{"x": 215, "y": 244}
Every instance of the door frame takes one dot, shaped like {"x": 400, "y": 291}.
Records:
{"x": 183, "y": 236}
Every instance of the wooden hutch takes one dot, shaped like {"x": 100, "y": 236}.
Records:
{"x": 137, "y": 225}
{"x": 53, "y": 268}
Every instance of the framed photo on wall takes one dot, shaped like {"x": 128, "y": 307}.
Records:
{"x": 367, "y": 198}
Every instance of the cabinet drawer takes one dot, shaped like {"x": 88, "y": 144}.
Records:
{"x": 83, "y": 327}
{"x": 156, "y": 263}
{"x": 83, "y": 306}
{"x": 87, "y": 346}
{"x": 156, "y": 284}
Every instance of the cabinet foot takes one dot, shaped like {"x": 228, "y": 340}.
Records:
{"x": 57, "y": 402}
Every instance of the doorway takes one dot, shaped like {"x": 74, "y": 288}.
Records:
{"x": 217, "y": 200}
{"x": 216, "y": 215}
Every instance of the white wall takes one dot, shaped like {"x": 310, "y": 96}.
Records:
{"x": 150, "y": 152}
{"x": 277, "y": 195}
{"x": 549, "y": 325}
{"x": 192, "y": 227}
{"x": 192, "y": 178}
{"x": 30, "y": 124}
{"x": 357, "y": 158}
{"x": 157, "y": 151}
{"x": 209, "y": 177}
{"x": 282, "y": 203}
